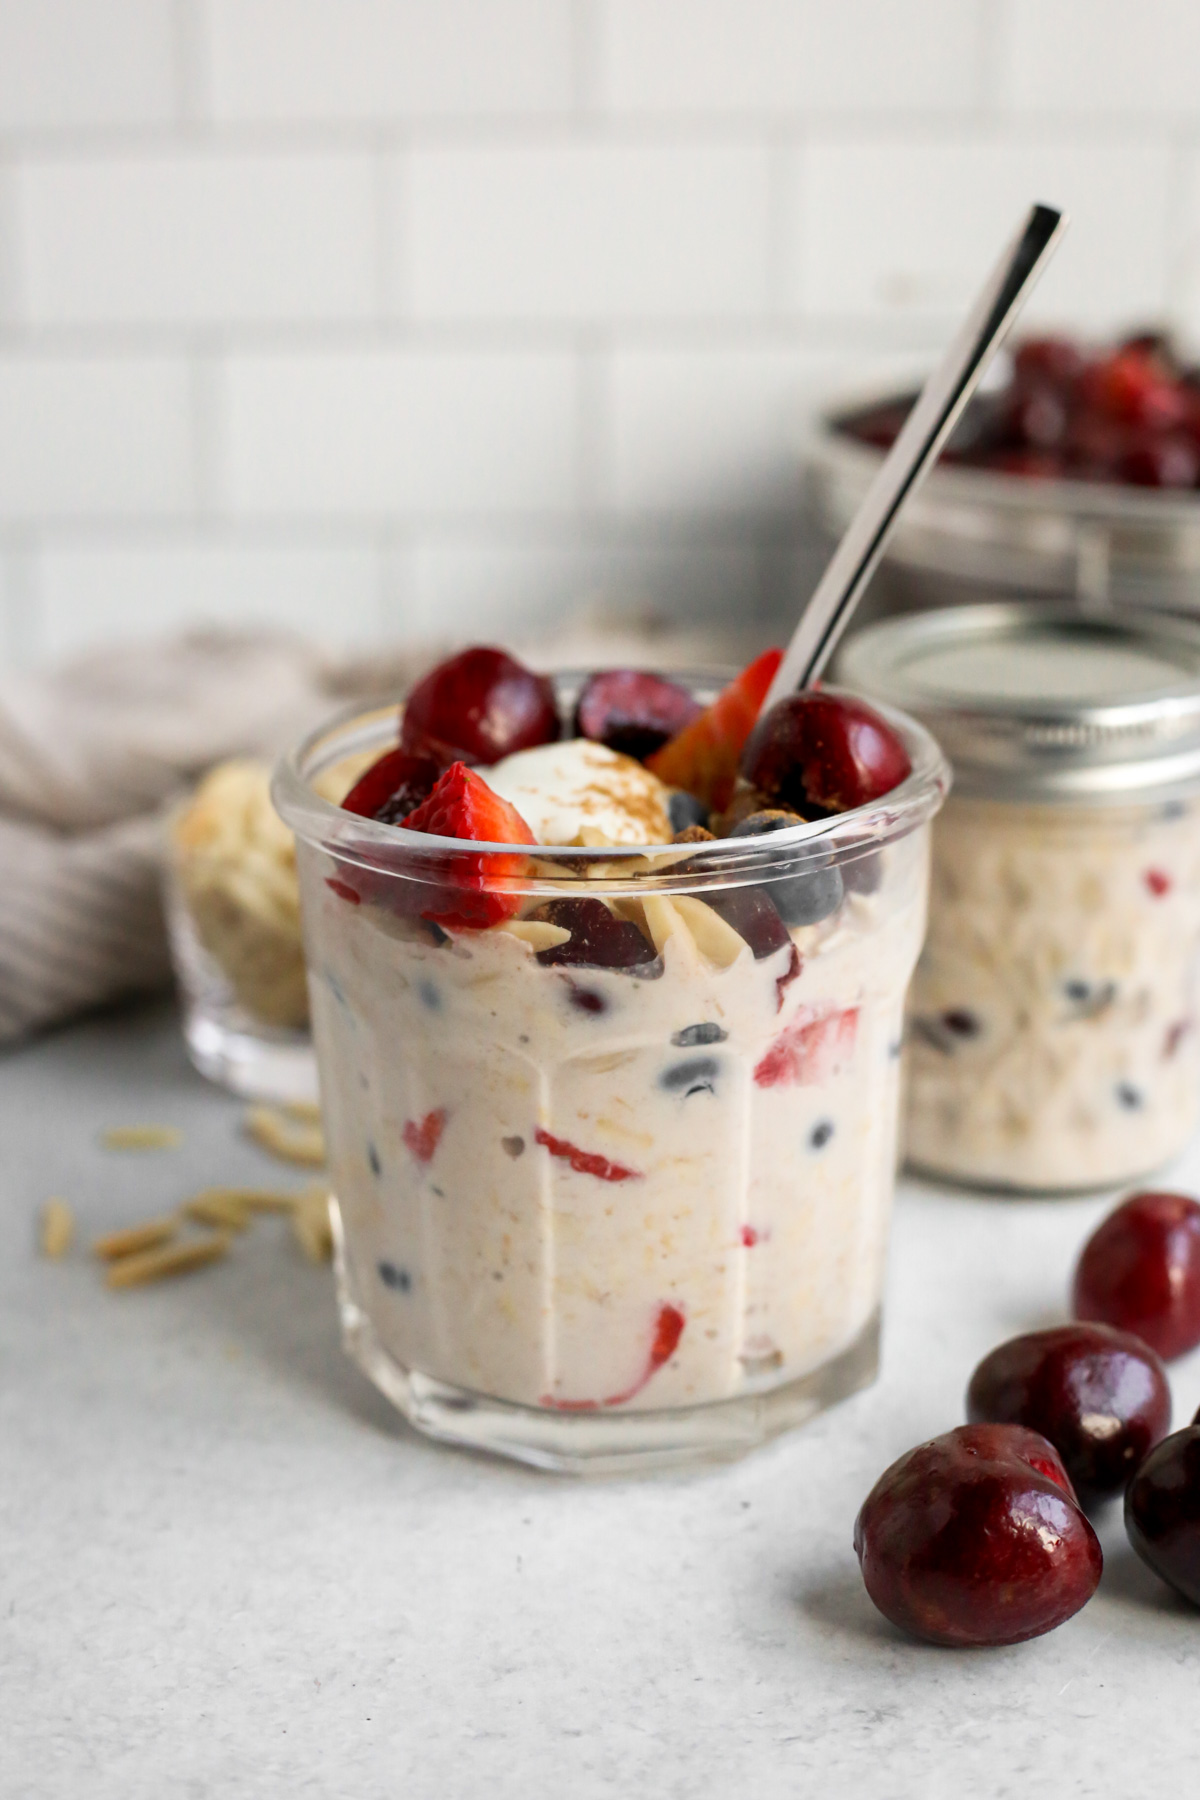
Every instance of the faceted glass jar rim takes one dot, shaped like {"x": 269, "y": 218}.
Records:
{"x": 617, "y": 868}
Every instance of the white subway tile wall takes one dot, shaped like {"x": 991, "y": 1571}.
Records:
{"x": 455, "y": 317}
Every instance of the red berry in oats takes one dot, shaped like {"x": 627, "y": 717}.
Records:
{"x": 598, "y": 940}
{"x": 1099, "y": 1395}
{"x": 826, "y": 751}
{"x": 477, "y": 707}
{"x": 1162, "y": 1511}
{"x": 422, "y": 1136}
{"x": 1140, "y": 1271}
{"x": 976, "y": 1538}
{"x": 584, "y": 1162}
{"x": 668, "y": 1329}
{"x": 633, "y": 711}
{"x": 462, "y": 891}
{"x": 703, "y": 758}
{"x": 392, "y": 787}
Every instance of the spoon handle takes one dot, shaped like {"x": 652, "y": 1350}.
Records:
{"x": 925, "y": 430}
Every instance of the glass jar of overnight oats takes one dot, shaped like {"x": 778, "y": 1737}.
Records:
{"x": 623, "y": 1214}
{"x": 1053, "y": 1041}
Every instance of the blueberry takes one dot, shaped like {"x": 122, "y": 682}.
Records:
{"x": 754, "y": 916}
{"x": 398, "y": 1279}
{"x": 429, "y": 995}
{"x": 820, "y": 1134}
{"x": 1130, "y": 1097}
{"x": 694, "y": 1035}
{"x": 684, "y": 809}
{"x": 941, "y": 1033}
{"x": 373, "y": 1159}
{"x": 513, "y": 1146}
{"x": 695, "y": 1076}
{"x": 798, "y": 899}
{"x": 959, "y": 1022}
{"x": 1089, "y": 997}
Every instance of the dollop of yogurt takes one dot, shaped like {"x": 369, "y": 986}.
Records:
{"x": 580, "y": 792}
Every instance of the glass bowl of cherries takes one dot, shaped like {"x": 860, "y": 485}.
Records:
{"x": 1077, "y": 472}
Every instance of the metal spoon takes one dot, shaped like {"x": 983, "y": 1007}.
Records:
{"x": 925, "y": 430}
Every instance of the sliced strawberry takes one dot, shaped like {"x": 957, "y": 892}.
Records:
{"x": 422, "y": 1136}
{"x": 816, "y": 1046}
{"x": 668, "y": 1329}
{"x": 703, "y": 757}
{"x": 473, "y": 892}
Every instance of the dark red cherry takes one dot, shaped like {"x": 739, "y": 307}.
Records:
{"x": 1055, "y": 361}
{"x": 1162, "y": 1511}
{"x": 754, "y": 916}
{"x": 1140, "y": 1271}
{"x": 977, "y": 1538}
{"x": 392, "y": 787}
{"x": 825, "y": 750}
{"x": 1169, "y": 460}
{"x": 1035, "y": 418}
{"x": 633, "y": 711}
{"x": 477, "y": 707}
{"x": 599, "y": 939}
{"x": 1099, "y": 1395}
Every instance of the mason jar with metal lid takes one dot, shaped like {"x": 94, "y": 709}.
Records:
{"x": 1054, "y": 1023}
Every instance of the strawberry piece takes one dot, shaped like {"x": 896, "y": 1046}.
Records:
{"x": 1158, "y": 882}
{"x": 422, "y": 1136}
{"x": 703, "y": 757}
{"x": 814, "y": 1047}
{"x": 471, "y": 894}
{"x": 668, "y": 1329}
{"x": 585, "y": 1162}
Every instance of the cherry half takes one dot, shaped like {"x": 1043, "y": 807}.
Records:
{"x": 1099, "y": 1395}
{"x": 1162, "y": 1511}
{"x": 477, "y": 707}
{"x": 633, "y": 711}
{"x": 977, "y": 1538}
{"x": 829, "y": 751}
{"x": 598, "y": 940}
{"x": 393, "y": 787}
{"x": 1140, "y": 1271}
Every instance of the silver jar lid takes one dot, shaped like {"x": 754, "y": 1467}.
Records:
{"x": 1040, "y": 702}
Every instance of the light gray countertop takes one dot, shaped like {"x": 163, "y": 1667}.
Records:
{"x": 227, "y": 1568}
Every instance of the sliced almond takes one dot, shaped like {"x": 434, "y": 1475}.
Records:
{"x": 662, "y": 920}
{"x": 134, "y": 1239}
{"x": 307, "y": 1111}
{"x": 313, "y": 1232}
{"x": 539, "y": 934}
{"x": 141, "y": 1137}
{"x": 219, "y": 1208}
{"x": 169, "y": 1259}
{"x": 57, "y": 1232}
{"x": 303, "y": 1144}
{"x": 262, "y": 1200}
{"x": 714, "y": 936}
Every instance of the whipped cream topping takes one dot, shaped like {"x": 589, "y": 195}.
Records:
{"x": 579, "y": 792}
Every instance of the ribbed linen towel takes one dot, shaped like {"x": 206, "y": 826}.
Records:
{"x": 90, "y": 755}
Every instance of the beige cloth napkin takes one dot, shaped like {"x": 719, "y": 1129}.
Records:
{"x": 89, "y": 755}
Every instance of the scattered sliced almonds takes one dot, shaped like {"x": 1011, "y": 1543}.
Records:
{"x": 292, "y": 1142}
{"x": 141, "y": 1137}
{"x": 166, "y": 1259}
{"x": 135, "y": 1239}
{"x": 219, "y": 1208}
{"x": 57, "y": 1232}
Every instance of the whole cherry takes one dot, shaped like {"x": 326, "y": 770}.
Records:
{"x": 823, "y": 750}
{"x": 977, "y": 1538}
{"x": 1099, "y": 1395}
{"x": 477, "y": 707}
{"x": 1162, "y": 1511}
{"x": 632, "y": 710}
{"x": 1140, "y": 1271}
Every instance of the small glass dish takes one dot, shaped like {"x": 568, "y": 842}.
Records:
{"x": 233, "y": 916}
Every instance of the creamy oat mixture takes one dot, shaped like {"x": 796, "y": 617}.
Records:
{"x": 1053, "y": 1037}
{"x": 582, "y": 1187}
